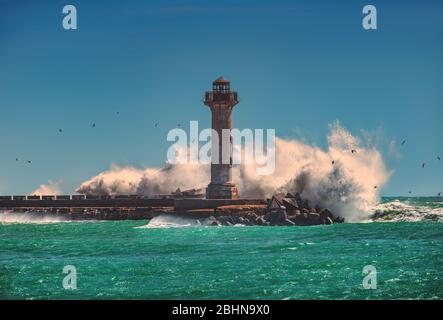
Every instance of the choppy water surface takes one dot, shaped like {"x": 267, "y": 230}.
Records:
{"x": 123, "y": 259}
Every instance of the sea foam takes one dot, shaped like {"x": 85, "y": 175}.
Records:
{"x": 345, "y": 177}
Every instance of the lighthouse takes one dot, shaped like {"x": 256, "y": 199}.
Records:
{"x": 221, "y": 100}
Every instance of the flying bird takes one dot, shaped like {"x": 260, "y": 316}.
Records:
{"x": 423, "y": 164}
{"x": 93, "y": 125}
{"x": 438, "y": 158}
{"x": 29, "y": 161}
{"x": 60, "y": 130}
{"x": 16, "y": 159}
{"x": 403, "y": 142}
{"x": 178, "y": 124}
{"x": 439, "y": 194}
{"x": 156, "y": 124}
{"x": 118, "y": 112}
{"x": 409, "y": 192}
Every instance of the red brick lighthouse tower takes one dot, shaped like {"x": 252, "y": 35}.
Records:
{"x": 221, "y": 100}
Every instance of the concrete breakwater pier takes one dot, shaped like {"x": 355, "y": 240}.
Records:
{"x": 114, "y": 208}
{"x": 281, "y": 210}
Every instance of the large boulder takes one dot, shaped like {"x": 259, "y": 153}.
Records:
{"x": 290, "y": 203}
{"x": 339, "y": 220}
{"x": 208, "y": 221}
{"x": 211, "y": 221}
{"x": 300, "y": 219}
{"x": 252, "y": 216}
{"x": 247, "y": 222}
{"x": 327, "y": 220}
{"x": 326, "y": 213}
{"x": 277, "y": 217}
{"x": 314, "y": 218}
{"x": 225, "y": 220}
{"x": 233, "y": 219}
{"x": 259, "y": 221}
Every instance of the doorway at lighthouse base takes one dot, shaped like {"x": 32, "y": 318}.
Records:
{"x": 221, "y": 191}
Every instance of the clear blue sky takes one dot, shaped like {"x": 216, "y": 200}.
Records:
{"x": 298, "y": 66}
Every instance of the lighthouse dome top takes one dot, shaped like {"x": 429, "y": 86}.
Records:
{"x": 220, "y": 80}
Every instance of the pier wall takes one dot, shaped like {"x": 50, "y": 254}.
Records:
{"x": 190, "y": 204}
{"x": 87, "y": 203}
{"x": 120, "y": 209}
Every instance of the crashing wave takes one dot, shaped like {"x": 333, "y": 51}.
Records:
{"x": 7, "y": 217}
{"x": 170, "y": 221}
{"x": 345, "y": 182}
{"x": 397, "y": 210}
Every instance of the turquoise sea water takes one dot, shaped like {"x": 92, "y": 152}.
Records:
{"x": 118, "y": 260}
